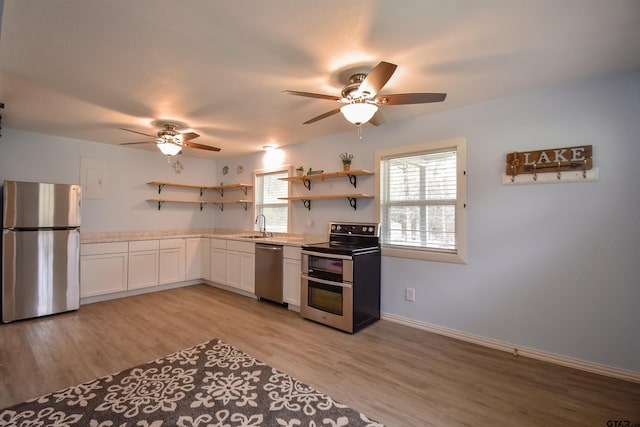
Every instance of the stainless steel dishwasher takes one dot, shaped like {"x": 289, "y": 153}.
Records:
{"x": 269, "y": 272}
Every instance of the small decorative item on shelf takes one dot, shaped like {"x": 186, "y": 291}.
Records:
{"x": 300, "y": 171}
{"x": 346, "y": 160}
{"x": 315, "y": 172}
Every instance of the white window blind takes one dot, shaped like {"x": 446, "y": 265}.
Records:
{"x": 268, "y": 188}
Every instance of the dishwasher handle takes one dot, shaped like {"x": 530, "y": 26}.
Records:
{"x": 268, "y": 247}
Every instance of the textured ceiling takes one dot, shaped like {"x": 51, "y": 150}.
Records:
{"x": 82, "y": 69}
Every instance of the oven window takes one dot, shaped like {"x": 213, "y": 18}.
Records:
{"x": 325, "y": 268}
{"x": 325, "y": 297}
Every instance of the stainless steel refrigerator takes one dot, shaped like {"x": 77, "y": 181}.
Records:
{"x": 40, "y": 249}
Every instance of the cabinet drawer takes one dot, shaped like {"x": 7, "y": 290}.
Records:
{"x": 234, "y": 245}
{"x": 143, "y": 245}
{"x": 292, "y": 252}
{"x": 103, "y": 248}
{"x": 219, "y": 243}
{"x": 171, "y": 243}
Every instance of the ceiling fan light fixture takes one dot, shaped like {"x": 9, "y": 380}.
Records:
{"x": 169, "y": 148}
{"x": 359, "y": 112}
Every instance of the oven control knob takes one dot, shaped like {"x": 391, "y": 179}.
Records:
{"x": 364, "y": 229}
{"x": 370, "y": 229}
{"x": 338, "y": 228}
{"x": 333, "y": 227}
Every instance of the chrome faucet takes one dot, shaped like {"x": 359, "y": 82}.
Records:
{"x": 262, "y": 229}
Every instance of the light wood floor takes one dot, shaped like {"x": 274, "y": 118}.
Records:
{"x": 398, "y": 375}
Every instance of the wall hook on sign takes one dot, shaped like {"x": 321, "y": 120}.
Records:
{"x": 535, "y": 174}
{"x": 559, "y": 173}
{"x": 514, "y": 166}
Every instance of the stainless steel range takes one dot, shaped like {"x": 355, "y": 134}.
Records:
{"x": 341, "y": 277}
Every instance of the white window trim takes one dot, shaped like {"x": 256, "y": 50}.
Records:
{"x": 460, "y": 145}
{"x": 285, "y": 168}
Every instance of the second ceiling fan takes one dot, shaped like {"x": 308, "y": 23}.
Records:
{"x": 360, "y": 96}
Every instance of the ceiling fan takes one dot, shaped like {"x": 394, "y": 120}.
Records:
{"x": 360, "y": 96}
{"x": 170, "y": 141}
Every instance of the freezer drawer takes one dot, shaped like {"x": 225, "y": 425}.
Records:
{"x": 40, "y": 273}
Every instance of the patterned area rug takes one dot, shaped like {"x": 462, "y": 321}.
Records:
{"x": 210, "y": 384}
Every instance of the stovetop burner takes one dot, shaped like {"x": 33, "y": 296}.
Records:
{"x": 348, "y": 238}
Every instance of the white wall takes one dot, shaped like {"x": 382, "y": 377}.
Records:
{"x": 26, "y": 156}
{"x": 553, "y": 267}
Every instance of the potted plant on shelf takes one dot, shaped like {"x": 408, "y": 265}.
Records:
{"x": 346, "y": 161}
{"x": 300, "y": 170}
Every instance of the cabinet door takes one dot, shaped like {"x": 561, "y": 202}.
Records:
{"x": 205, "y": 258}
{"x": 247, "y": 272}
{"x": 193, "y": 259}
{"x": 103, "y": 274}
{"x": 291, "y": 277}
{"x": 143, "y": 269}
{"x": 171, "y": 265}
{"x": 233, "y": 269}
{"x": 218, "y": 265}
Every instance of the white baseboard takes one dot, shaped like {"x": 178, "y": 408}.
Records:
{"x": 516, "y": 350}
{"x": 123, "y": 294}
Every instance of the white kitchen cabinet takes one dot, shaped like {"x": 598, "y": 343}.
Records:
{"x": 241, "y": 265}
{"x": 248, "y": 271}
{"x": 233, "y": 269}
{"x": 143, "y": 264}
{"x": 218, "y": 263}
{"x": 103, "y": 268}
{"x": 172, "y": 261}
{"x": 291, "y": 268}
{"x": 205, "y": 258}
{"x": 193, "y": 258}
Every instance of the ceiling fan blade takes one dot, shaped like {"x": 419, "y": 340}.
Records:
{"x": 322, "y": 116}
{"x": 189, "y": 136}
{"x": 135, "y": 131}
{"x": 312, "y": 95}
{"x": 134, "y": 143}
{"x": 200, "y": 146}
{"x": 377, "y": 78}
{"x": 410, "y": 98}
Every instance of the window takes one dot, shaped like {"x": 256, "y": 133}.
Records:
{"x": 422, "y": 208}
{"x": 268, "y": 188}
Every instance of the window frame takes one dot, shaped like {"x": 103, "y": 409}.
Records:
{"x": 459, "y": 256}
{"x": 256, "y": 173}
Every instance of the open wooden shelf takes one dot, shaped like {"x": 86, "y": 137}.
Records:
{"x": 220, "y": 188}
{"x": 306, "y": 179}
{"x": 306, "y": 200}
{"x": 202, "y": 188}
{"x": 221, "y": 203}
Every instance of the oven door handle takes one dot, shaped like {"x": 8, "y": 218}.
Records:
{"x": 324, "y": 255}
{"x": 326, "y": 282}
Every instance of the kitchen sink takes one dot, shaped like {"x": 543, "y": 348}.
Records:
{"x": 252, "y": 237}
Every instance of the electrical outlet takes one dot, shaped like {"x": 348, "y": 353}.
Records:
{"x": 410, "y": 294}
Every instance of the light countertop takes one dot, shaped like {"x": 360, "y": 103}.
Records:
{"x": 289, "y": 239}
